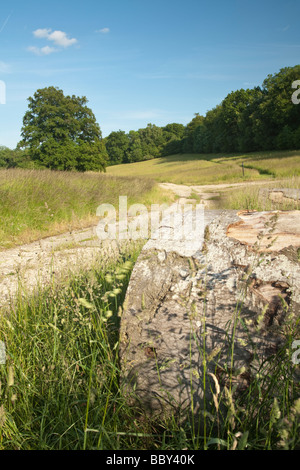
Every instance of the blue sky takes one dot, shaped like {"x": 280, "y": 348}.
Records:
{"x": 140, "y": 62}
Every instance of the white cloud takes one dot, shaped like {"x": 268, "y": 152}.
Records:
{"x": 103, "y": 30}
{"x": 42, "y": 33}
{"x": 42, "y": 50}
{"x": 58, "y": 38}
{"x": 48, "y": 50}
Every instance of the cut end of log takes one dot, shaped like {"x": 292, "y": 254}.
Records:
{"x": 267, "y": 231}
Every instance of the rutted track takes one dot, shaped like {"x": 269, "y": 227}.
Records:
{"x": 206, "y": 193}
{"x": 48, "y": 260}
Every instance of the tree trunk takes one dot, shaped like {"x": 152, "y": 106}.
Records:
{"x": 217, "y": 304}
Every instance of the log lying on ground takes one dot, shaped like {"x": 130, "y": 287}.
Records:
{"x": 267, "y": 231}
{"x": 212, "y": 305}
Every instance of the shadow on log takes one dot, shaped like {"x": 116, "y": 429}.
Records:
{"x": 191, "y": 319}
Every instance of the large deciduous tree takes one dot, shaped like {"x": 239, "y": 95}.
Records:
{"x": 60, "y": 132}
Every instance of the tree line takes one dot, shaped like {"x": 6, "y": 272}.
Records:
{"x": 60, "y": 132}
{"x": 144, "y": 144}
{"x": 262, "y": 118}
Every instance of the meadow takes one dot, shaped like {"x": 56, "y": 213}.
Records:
{"x": 39, "y": 203}
{"x": 193, "y": 169}
{"x": 60, "y": 387}
{"x": 271, "y": 169}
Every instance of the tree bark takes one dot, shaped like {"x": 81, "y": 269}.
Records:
{"x": 215, "y": 305}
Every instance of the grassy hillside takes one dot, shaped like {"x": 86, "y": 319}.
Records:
{"x": 38, "y": 203}
{"x": 212, "y": 169}
{"x": 60, "y": 384}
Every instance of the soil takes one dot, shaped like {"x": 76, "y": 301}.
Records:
{"x": 206, "y": 193}
{"x": 25, "y": 268}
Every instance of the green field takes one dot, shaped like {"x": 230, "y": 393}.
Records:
{"x": 60, "y": 386}
{"x": 212, "y": 169}
{"x": 39, "y": 203}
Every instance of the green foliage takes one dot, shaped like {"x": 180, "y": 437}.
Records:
{"x": 60, "y": 132}
{"x": 14, "y": 158}
{"x": 5, "y": 156}
{"x": 258, "y": 119}
{"x": 250, "y": 120}
{"x": 61, "y": 388}
{"x": 61, "y": 376}
{"x": 144, "y": 144}
{"x": 188, "y": 139}
{"x": 173, "y": 135}
{"x": 116, "y": 146}
{"x": 134, "y": 149}
{"x": 285, "y": 138}
{"x": 276, "y": 110}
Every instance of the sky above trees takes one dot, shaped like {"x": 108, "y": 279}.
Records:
{"x": 141, "y": 62}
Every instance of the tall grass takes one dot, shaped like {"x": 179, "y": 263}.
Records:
{"x": 61, "y": 376}
{"x": 36, "y": 203}
{"x": 257, "y": 198}
{"x": 60, "y": 389}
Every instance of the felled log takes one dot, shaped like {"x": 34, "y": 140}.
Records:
{"x": 208, "y": 309}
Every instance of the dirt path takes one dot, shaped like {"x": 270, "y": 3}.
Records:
{"x": 51, "y": 258}
{"x": 206, "y": 192}
{"x": 48, "y": 260}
